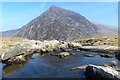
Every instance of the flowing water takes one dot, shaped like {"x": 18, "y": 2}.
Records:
{"x": 48, "y": 66}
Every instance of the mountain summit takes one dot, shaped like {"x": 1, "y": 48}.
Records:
{"x": 58, "y": 23}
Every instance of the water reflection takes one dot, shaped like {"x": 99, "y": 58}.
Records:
{"x": 8, "y": 69}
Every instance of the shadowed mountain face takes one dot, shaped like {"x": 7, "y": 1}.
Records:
{"x": 58, "y": 23}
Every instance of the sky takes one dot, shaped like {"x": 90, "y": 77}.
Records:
{"x": 17, "y": 14}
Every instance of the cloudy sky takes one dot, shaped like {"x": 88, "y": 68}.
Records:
{"x": 17, "y": 14}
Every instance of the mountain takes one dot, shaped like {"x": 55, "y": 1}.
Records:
{"x": 58, "y": 23}
{"x": 106, "y": 30}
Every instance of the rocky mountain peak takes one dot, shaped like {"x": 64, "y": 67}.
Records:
{"x": 58, "y": 23}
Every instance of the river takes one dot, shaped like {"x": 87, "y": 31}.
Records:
{"x": 47, "y": 66}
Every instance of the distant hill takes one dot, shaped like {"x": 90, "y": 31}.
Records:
{"x": 61, "y": 24}
{"x": 9, "y": 33}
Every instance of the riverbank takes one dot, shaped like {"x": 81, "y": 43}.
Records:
{"x": 16, "y": 49}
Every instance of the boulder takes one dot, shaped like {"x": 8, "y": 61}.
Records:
{"x": 94, "y": 72}
{"x": 13, "y": 51}
{"x": 64, "y": 54}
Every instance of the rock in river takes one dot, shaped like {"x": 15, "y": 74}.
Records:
{"x": 94, "y": 72}
{"x": 63, "y": 54}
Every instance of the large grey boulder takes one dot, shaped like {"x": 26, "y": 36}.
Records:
{"x": 94, "y": 72}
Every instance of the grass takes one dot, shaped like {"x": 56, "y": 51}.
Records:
{"x": 7, "y": 42}
{"x": 112, "y": 41}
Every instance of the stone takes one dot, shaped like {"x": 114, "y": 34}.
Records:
{"x": 94, "y": 72}
{"x": 63, "y": 54}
